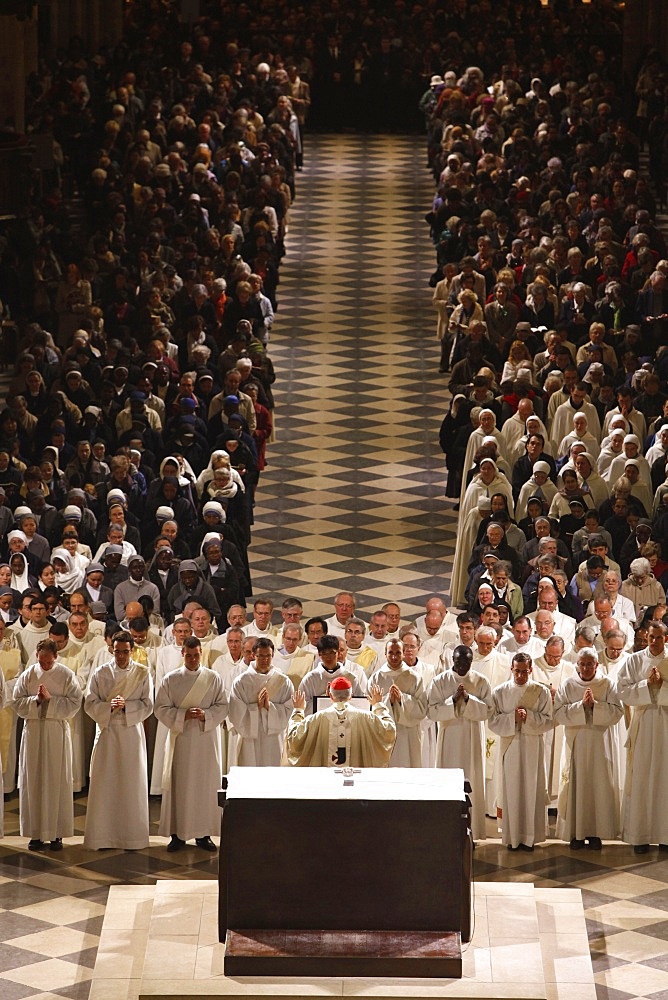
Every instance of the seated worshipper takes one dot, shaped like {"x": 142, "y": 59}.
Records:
{"x": 641, "y": 587}
{"x": 587, "y": 706}
{"x": 191, "y": 702}
{"x": 134, "y": 587}
{"x": 119, "y": 700}
{"x": 642, "y": 685}
{"x": 191, "y": 587}
{"x": 46, "y": 697}
{"x": 329, "y": 665}
{"x": 522, "y": 713}
{"x": 341, "y": 735}
{"x": 460, "y": 701}
{"x": 260, "y": 704}
{"x": 570, "y": 490}
{"x": 407, "y": 701}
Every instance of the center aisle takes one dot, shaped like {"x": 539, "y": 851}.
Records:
{"x": 353, "y": 497}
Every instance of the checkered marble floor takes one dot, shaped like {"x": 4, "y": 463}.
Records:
{"x": 352, "y": 498}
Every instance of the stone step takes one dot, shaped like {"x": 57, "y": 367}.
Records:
{"x": 162, "y": 942}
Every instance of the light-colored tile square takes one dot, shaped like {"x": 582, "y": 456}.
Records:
{"x": 626, "y": 913}
{"x": 115, "y": 989}
{"x": 518, "y": 919}
{"x": 56, "y": 941}
{"x": 171, "y": 957}
{"x": 176, "y": 914}
{"x": 50, "y": 975}
{"x": 121, "y": 953}
{"x": 556, "y": 916}
{"x": 516, "y": 962}
{"x": 129, "y": 913}
{"x": 566, "y": 958}
{"x": 622, "y": 885}
{"x": 66, "y": 910}
{"x": 634, "y": 947}
{"x": 570, "y": 991}
{"x": 477, "y": 965}
{"x": 194, "y": 886}
{"x": 638, "y": 980}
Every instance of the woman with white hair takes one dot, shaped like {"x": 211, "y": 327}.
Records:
{"x": 609, "y": 585}
{"x": 642, "y": 588}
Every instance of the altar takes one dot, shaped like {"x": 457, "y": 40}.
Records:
{"x": 330, "y": 871}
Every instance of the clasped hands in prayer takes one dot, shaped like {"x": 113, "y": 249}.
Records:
{"x": 655, "y": 679}
{"x": 195, "y": 713}
{"x": 118, "y": 704}
{"x": 42, "y": 694}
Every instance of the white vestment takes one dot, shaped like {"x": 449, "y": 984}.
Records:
{"x": 117, "y": 814}
{"x": 496, "y": 668}
{"x": 552, "y": 678}
{"x": 644, "y": 809}
{"x": 366, "y": 737}
{"x": 10, "y": 667}
{"x": 193, "y": 766}
{"x": 317, "y": 681}
{"x": 28, "y": 638}
{"x": 407, "y": 713}
{"x": 3, "y": 696}
{"x": 260, "y": 731}
{"x": 45, "y": 759}
{"x": 588, "y": 800}
{"x": 169, "y": 658}
{"x": 461, "y": 733}
{"x": 522, "y": 790}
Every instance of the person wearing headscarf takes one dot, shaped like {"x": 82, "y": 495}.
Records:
{"x": 192, "y": 587}
{"x": 453, "y": 438}
{"x": 69, "y": 576}
{"x": 20, "y": 579}
{"x": 538, "y": 485}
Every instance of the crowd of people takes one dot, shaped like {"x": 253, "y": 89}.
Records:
{"x": 143, "y": 289}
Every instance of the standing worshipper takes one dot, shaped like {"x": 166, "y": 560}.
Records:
{"x": 460, "y": 701}
{"x": 192, "y": 704}
{"x": 407, "y": 701}
{"x": 522, "y": 713}
{"x": 552, "y": 670}
{"x": 341, "y": 735}
{"x": 260, "y": 706}
{"x": 119, "y": 699}
{"x": 642, "y": 684}
{"x": 46, "y": 696}
{"x": 587, "y": 706}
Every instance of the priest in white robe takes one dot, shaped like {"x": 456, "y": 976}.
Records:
{"x": 260, "y": 706}
{"x": 10, "y": 667}
{"x": 330, "y": 666}
{"x": 37, "y": 628}
{"x": 290, "y": 657}
{"x": 341, "y": 736}
{"x": 191, "y": 703}
{"x": 494, "y": 665}
{"x": 610, "y": 661}
{"x": 73, "y": 657}
{"x": 46, "y": 696}
{"x": 406, "y": 699}
{"x": 522, "y": 713}
{"x": 168, "y": 658}
{"x": 119, "y": 699}
{"x": 587, "y": 706}
{"x": 3, "y": 698}
{"x": 642, "y": 683}
{"x": 552, "y": 670}
{"x": 460, "y": 701}
{"x": 427, "y": 672}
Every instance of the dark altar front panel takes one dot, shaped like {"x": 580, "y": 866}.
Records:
{"x": 383, "y": 863}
